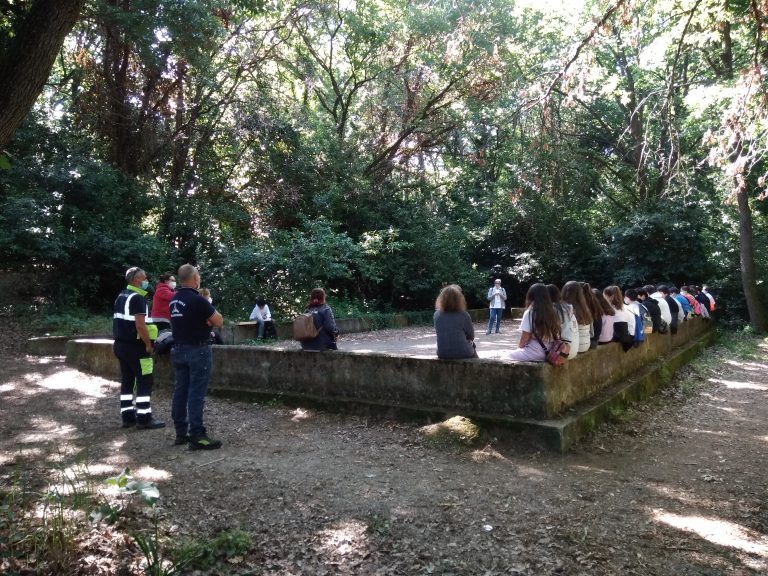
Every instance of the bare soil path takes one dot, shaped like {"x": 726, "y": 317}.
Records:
{"x": 677, "y": 487}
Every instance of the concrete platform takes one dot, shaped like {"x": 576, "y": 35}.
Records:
{"x": 396, "y": 373}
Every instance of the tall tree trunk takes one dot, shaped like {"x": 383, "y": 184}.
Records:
{"x": 26, "y": 64}
{"x": 757, "y": 312}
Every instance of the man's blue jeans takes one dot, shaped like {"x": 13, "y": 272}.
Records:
{"x": 193, "y": 371}
{"x": 495, "y": 314}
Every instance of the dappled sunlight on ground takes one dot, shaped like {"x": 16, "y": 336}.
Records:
{"x": 737, "y": 385}
{"x": 592, "y": 469}
{"x": 72, "y": 380}
{"x": 750, "y": 366}
{"x": 344, "y": 538}
{"x": 717, "y": 531}
{"x": 152, "y": 474}
{"x": 300, "y": 414}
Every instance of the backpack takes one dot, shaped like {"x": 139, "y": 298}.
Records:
{"x": 304, "y": 327}
{"x": 639, "y": 328}
{"x": 164, "y": 342}
{"x": 557, "y": 353}
{"x": 663, "y": 326}
{"x": 646, "y": 316}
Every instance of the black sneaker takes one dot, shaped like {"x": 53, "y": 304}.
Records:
{"x": 181, "y": 440}
{"x": 203, "y": 443}
{"x": 129, "y": 423}
{"x": 150, "y": 425}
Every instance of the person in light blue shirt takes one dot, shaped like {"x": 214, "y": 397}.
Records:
{"x": 685, "y": 306}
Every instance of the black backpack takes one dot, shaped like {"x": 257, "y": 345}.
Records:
{"x": 164, "y": 342}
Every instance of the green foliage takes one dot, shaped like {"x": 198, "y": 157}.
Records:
{"x": 206, "y": 554}
{"x": 73, "y": 322}
{"x": 380, "y": 149}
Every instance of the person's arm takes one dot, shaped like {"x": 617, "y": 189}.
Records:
{"x": 266, "y": 314}
{"x": 524, "y": 338}
{"x": 469, "y": 328}
{"x": 503, "y": 294}
{"x": 141, "y": 328}
{"x": 329, "y": 323}
{"x": 215, "y": 320}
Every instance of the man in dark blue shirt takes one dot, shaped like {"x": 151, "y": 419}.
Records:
{"x": 192, "y": 317}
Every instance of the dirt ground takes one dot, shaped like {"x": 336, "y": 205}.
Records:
{"x": 678, "y": 487}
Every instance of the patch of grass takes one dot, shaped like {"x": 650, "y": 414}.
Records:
{"x": 73, "y": 322}
{"x": 379, "y": 522}
{"x": 742, "y": 344}
{"x": 623, "y": 414}
{"x": 454, "y": 432}
{"x": 206, "y": 554}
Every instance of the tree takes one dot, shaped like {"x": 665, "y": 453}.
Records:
{"x": 27, "y": 53}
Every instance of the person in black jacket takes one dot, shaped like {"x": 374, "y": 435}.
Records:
{"x": 324, "y": 322}
{"x": 652, "y": 306}
{"x": 674, "y": 307}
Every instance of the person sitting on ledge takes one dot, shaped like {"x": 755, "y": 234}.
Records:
{"x": 453, "y": 325}
{"x": 540, "y": 326}
{"x": 324, "y": 321}
{"x": 257, "y": 316}
{"x": 266, "y": 315}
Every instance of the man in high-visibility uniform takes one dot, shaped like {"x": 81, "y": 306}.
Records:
{"x": 133, "y": 348}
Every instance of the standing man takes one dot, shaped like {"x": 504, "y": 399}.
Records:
{"x": 192, "y": 318}
{"x": 497, "y": 296}
{"x": 133, "y": 348}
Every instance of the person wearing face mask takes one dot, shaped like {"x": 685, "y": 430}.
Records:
{"x": 192, "y": 317}
{"x": 133, "y": 348}
{"x": 161, "y": 316}
{"x": 215, "y": 332}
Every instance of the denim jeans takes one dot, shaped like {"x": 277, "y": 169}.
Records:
{"x": 193, "y": 371}
{"x": 495, "y": 314}
{"x": 260, "y": 328}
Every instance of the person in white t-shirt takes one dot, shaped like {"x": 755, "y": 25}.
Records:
{"x": 623, "y": 321}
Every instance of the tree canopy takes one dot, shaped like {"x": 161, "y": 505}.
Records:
{"x": 381, "y": 148}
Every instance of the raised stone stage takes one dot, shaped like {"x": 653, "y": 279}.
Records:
{"x": 557, "y": 405}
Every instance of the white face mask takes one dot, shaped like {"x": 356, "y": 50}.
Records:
{"x": 210, "y": 300}
{"x": 172, "y": 285}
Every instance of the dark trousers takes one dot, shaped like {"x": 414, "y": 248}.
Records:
{"x": 136, "y": 380}
{"x": 192, "y": 364}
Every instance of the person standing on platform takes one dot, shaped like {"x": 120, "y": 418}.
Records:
{"x": 192, "y": 318}
{"x": 497, "y": 298}
{"x": 133, "y": 348}
{"x": 160, "y": 301}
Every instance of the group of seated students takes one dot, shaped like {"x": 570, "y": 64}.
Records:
{"x": 579, "y": 315}
{"x": 584, "y": 317}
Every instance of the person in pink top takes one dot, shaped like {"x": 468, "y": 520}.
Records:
{"x": 606, "y": 317}
{"x": 161, "y": 315}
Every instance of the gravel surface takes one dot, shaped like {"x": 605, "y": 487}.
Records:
{"x": 678, "y": 487}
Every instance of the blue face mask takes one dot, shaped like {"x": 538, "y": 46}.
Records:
{"x": 144, "y": 284}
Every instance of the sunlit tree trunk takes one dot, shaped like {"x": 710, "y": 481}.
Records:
{"x": 757, "y": 313}
{"x": 26, "y": 64}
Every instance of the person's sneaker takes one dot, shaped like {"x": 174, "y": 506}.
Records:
{"x": 181, "y": 440}
{"x": 204, "y": 443}
{"x": 150, "y": 425}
